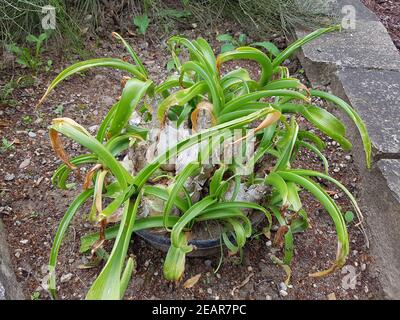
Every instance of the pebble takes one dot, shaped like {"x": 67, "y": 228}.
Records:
{"x": 31, "y": 134}
{"x": 269, "y": 243}
{"x": 282, "y": 286}
{"x": 331, "y": 296}
{"x": 209, "y": 291}
{"x": 44, "y": 269}
{"x": 24, "y": 241}
{"x": 249, "y": 268}
{"x": 208, "y": 263}
{"x": 66, "y": 277}
{"x": 9, "y": 177}
{"x": 283, "y": 293}
{"x": 218, "y": 276}
{"x": 336, "y": 170}
{"x": 268, "y": 297}
{"x": 347, "y": 157}
{"x": 363, "y": 267}
{"x": 18, "y": 253}
{"x": 25, "y": 163}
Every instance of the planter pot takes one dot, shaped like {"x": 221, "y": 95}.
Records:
{"x": 203, "y": 246}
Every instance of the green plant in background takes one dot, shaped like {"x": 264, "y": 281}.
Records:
{"x": 230, "y": 43}
{"x": 233, "y": 101}
{"x": 25, "y": 56}
{"x": 142, "y": 23}
{"x": 6, "y": 145}
{"x": 21, "y": 17}
{"x": 283, "y": 15}
{"x": 6, "y": 92}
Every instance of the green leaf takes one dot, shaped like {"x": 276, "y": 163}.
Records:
{"x": 188, "y": 216}
{"x": 180, "y": 180}
{"x": 269, "y": 46}
{"x": 133, "y": 54}
{"x": 227, "y": 47}
{"x": 327, "y": 123}
{"x": 174, "y": 264}
{"x": 334, "y": 212}
{"x": 84, "y": 65}
{"x": 142, "y": 23}
{"x": 226, "y": 37}
{"x": 170, "y": 65}
{"x": 133, "y": 92}
{"x": 108, "y": 285}
{"x": 249, "y": 53}
{"x": 354, "y": 117}
{"x": 290, "y": 50}
{"x": 242, "y": 39}
{"x": 61, "y": 230}
{"x": 349, "y": 216}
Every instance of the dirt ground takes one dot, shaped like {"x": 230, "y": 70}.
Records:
{"x": 31, "y": 207}
{"x": 389, "y": 13}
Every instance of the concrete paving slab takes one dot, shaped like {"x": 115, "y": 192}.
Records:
{"x": 375, "y": 95}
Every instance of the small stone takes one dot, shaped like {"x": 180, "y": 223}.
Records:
{"x": 336, "y": 170}
{"x": 71, "y": 261}
{"x": 147, "y": 263}
{"x": 66, "y": 277}
{"x": 25, "y": 163}
{"x": 9, "y": 177}
{"x": 18, "y": 253}
{"x": 209, "y": 291}
{"x": 249, "y": 268}
{"x": 283, "y": 293}
{"x": 282, "y": 286}
{"x": 93, "y": 129}
{"x": 155, "y": 273}
{"x": 268, "y": 243}
{"x": 268, "y": 297}
{"x": 31, "y": 134}
{"x": 208, "y": 263}
{"x": 347, "y": 157}
{"x": 363, "y": 267}
{"x": 43, "y": 269}
{"x": 24, "y": 241}
{"x": 331, "y": 296}
{"x": 218, "y": 276}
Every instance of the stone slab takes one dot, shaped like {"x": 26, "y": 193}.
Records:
{"x": 9, "y": 287}
{"x": 390, "y": 169}
{"x": 367, "y": 46}
{"x": 375, "y": 95}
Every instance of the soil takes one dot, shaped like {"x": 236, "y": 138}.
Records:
{"x": 388, "y": 12}
{"x": 32, "y": 208}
